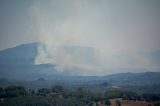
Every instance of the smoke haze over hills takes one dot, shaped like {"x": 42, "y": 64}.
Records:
{"x": 98, "y": 37}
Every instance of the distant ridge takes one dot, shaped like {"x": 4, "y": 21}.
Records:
{"x": 18, "y": 63}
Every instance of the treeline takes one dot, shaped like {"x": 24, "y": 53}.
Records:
{"x": 59, "y": 96}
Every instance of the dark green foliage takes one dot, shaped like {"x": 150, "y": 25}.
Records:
{"x": 13, "y": 91}
{"x": 90, "y": 104}
{"x": 157, "y": 103}
{"x": 2, "y": 93}
{"x": 151, "y": 97}
{"x": 58, "y": 96}
{"x": 58, "y": 89}
{"x": 71, "y": 101}
{"x": 127, "y": 95}
{"x": 26, "y": 101}
{"x": 43, "y": 91}
{"x": 97, "y": 104}
{"x": 107, "y": 102}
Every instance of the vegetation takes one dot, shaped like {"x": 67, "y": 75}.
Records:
{"x": 59, "y": 96}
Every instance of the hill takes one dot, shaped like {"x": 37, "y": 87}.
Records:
{"x": 18, "y": 63}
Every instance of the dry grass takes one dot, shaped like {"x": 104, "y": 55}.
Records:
{"x": 127, "y": 103}
{"x": 131, "y": 103}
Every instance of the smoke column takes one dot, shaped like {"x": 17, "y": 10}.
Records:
{"x": 90, "y": 36}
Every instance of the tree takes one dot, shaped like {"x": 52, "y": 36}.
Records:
{"x": 2, "y": 93}
{"x": 43, "y": 91}
{"x": 107, "y": 102}
{"x": 15, "y": 91}
{"x": 58, "y": 89}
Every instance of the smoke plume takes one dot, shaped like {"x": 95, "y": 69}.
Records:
{"x": 94, "y": 36}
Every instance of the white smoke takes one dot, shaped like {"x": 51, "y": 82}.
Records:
{"x": 64, "y": 27}
{"x": 85, "y": 24}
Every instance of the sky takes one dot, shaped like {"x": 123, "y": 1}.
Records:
{"x": 125, "y": 34}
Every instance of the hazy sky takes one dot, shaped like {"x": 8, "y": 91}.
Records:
{"x": 135, "y": 23}
{"x": 124, "y": 32}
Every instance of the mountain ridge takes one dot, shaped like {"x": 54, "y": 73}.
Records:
{"x": 18, "y": 63}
